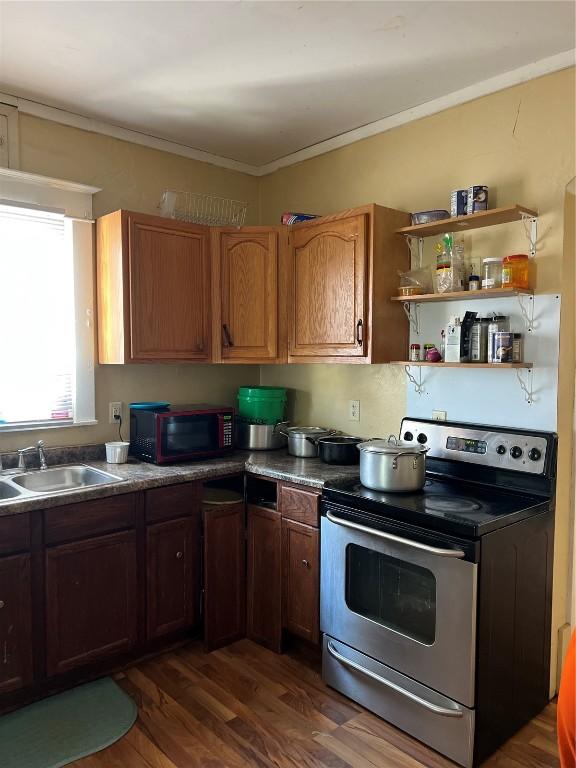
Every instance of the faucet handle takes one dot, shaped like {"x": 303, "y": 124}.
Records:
{"x": 21, "y": 452}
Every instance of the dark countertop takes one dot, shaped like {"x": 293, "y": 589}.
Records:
{"x": 138, "y": 476}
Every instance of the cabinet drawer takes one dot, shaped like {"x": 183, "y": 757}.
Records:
{"x": 172, "y": 501}
{"x": 299, "y": 505}
{"x": 14, "y": 534}
{"x": 89, "y": 518}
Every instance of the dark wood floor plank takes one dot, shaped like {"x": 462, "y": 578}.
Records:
{"x": 245, "y": 707}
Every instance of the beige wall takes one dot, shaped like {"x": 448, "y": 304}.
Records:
{"x": 131, "y": 176}
{"x": 520, "y": 142}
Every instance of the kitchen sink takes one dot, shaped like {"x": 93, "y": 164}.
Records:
{"x": 8, "y": 492}
{"x": 60, "y": 479}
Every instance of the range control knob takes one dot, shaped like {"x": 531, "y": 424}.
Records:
{"x": 501, "y": 450}
{"x": 516, "y": 452}
{"x": 422, "y": 438}
{"x": 408, "y": 436}
{"x": 535, "y": 454}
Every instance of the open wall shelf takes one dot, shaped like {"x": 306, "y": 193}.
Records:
{"x": 492, "y": 293}
{"x": 478, "y": 220}
{"x": 470, "y": 366}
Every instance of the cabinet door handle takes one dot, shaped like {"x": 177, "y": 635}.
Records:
{"x": 227, "y": 336}
{"x": 179, "y": 555}
{"x": 359, "y": 331}
{"x": 2, "y": 603}
{"x": 306, "y": 563}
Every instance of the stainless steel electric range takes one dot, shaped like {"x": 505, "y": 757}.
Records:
{"x": 435, "y": 606}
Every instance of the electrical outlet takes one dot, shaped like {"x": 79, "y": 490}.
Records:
{"x": 353, "y": 410}
{"x": 439, "y": 415}
{"x": 114, "y": 412}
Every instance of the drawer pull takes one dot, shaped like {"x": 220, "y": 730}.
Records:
{"x": 2, "y": 603}
{"x": 306, "y": 563}
{"x": 179, "y": 555}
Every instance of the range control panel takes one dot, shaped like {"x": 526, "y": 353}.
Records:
{"x": 487, "y": 446}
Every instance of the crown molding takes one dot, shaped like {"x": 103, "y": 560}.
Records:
{"x": 531, "y": 71}
{"x": 47, "y": 181}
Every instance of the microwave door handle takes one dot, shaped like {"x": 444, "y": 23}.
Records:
{"x": 398, "y": 539}
{"x": 443, "y": 711}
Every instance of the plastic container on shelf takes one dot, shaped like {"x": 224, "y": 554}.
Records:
{"x": 262, "y": 405}
{"x": 515, "y": 271}
{"x": 491, "y": 273}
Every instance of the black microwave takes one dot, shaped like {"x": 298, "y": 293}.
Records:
{"x": 181, "y": 432}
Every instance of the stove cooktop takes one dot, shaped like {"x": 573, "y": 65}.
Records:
{"x": 442, "y": 505}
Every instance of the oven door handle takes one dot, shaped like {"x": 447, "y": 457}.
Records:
{"x": 398, "y": 539}
{"x": 443, "y": 711}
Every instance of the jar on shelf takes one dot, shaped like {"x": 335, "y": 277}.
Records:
{"x": 515, "y": 271}
{"x": 414, "y": 353}
{"x": 492, "y": 273}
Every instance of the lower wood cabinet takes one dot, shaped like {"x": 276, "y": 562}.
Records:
{"x": 173, "y": 588}
{"x": 224, "y": 574}
{"x": 91, "y": 600}
{"x": 301, "y": 580}
{"x": 264, "y": 576}
{"x": 15, "y": 623}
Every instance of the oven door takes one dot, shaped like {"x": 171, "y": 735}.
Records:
{"x": 409, "y": 605}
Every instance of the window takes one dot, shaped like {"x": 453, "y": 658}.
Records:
{"x": 46, "y": 323}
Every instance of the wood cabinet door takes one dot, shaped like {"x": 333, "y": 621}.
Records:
{"x": 173, "y": 587}
{"x": 15, "y": 623}
{"x": 91, "y": 600}
{"x": 327, "y": 314}
{"x": 246, "y": 293}
{"x": 301, "y": 580}
{"x": 169, "y": 275}
{"x": 264, "y": 577}
{"x": 224, "y": 575}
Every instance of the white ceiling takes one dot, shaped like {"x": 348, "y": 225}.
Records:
{"x": 256, "y": 81}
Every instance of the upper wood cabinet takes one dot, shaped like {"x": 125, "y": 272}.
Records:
{"x": 344, "y": 269}
{"x": 249, "y": 294}
{"x": 153, "y": 280}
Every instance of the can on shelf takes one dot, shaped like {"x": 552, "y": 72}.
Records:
{"x": 503, "y": 347}
{"x": 517, "y": 348}
{"x": 458, "y": 202}
{"x": 477, "y": 199}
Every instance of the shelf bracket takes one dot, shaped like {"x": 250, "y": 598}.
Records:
{"x": 412, "y": 313}
{"x": 417, "y": 383}
{"x": 531, "y": 229}
{"x": 527, "y": 314}
{"x": 527, "y": 386}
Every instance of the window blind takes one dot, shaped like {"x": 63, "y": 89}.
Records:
{"x": 37, "y": 317}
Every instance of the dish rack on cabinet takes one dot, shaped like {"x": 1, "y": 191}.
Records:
{"x": 199, "y": 208}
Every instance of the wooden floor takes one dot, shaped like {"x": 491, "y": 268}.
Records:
{"x": 246, "y": 706}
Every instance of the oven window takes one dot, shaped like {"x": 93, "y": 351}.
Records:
{"x": 397, "y": 594}
{"x": 189, "y": 434}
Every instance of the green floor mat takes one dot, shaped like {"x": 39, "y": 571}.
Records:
{"x": 63, "y": 728}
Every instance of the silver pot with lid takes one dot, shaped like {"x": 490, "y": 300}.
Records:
{"x": 302, "y": 440}
{"x": 392, "y": 465}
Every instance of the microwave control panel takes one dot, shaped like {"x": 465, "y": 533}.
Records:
{"x": 226, "y": 430}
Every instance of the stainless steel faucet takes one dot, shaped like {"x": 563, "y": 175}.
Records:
{"x": 41, "y": 455}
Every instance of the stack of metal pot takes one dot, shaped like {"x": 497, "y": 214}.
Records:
{"x": 260, "y": 415}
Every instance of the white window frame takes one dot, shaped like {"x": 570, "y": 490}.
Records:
{"x": 75, "y": 202}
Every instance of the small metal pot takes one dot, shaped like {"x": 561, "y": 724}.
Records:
{"x": 339, "y": 449}
{"x": 260, "y": 437}
{"x": 302, "y": 440}
{"x": 392, "y": 466}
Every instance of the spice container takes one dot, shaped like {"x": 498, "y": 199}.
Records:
{"x": 474, "y": 283}
{"x": 477, "y": 199}
{"x": 497, "y": 323}
{"x": 517, "y": 348}
{"x": 414, "y": 353}
{"x": 492, "y": 273}
{"x": 479, "y": 341}
{"x": 515, "y": 271}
